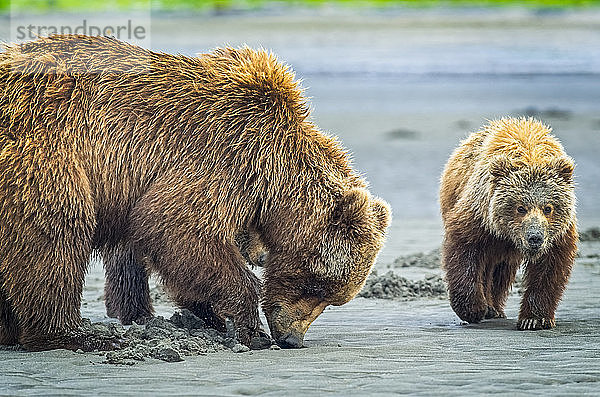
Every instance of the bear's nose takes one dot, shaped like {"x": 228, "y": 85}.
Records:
{"x": 535, "y": 240}
{"x": 291, "y": 341}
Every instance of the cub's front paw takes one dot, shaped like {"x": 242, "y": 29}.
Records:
{"x": 471, "y": 315}
{"x": 534, "y": 324}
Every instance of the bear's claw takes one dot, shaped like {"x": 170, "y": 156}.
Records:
{"x": 257, "y": 339}
{"x": 494, "y": 313}
{"x": 534, "y": 324}
{"x": 260, "y": 342}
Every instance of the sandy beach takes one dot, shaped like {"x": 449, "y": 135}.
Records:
{"x": 369, "y": 346}
{"x": 399, "y": 90}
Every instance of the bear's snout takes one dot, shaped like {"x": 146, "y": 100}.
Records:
{"x": 535, "y": 239}
{"x": 534, "y": 235}
{"x": 283, "y": 330}
{"x": 292, "y": 340}
{"x": 289, "y": 322}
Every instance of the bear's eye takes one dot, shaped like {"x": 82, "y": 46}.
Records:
{"x": 521, "y": 210}
{"x": 547, "y": 210}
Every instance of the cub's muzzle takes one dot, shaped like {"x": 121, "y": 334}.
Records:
{"x": 534, "y": 229}
{"x": 535, "y": 239}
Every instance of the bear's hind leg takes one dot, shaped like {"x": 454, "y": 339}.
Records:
{"x": 126, "y": 291}
{"x": 503, "y": 277}
{"x": 44, "y": 290}
{"x": 47, "y": 220}
{"x": 9, "y": 329}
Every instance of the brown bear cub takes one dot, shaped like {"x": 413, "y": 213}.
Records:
{"x": 507, "y": 198}
{"x": 160, "y": 162}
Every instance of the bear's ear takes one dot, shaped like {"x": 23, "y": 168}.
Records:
{"x": 564, "y": 166}
{"x": 382, "y": 213}
{"x": 500, "y": 167}
{"x": 351, "y": 208}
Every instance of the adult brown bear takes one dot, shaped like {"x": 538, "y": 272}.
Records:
{"x": 108, "y": 145}
{"x": 507, "y": 197}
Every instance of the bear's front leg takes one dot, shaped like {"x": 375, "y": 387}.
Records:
{"x": 9, "y": 331}
{"x": 464, "y": 274}
{"x": 210, "y": 276}
{"x": 233, "y": 297}
{"x": 191, "y": 249}
{"x": 545, "y": 282}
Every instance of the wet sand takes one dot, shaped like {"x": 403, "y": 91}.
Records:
{"x": 369, "y": 346}
{"x": 401, "y": 129}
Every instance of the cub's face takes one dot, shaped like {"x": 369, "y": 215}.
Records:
{"x": 534, "y": 205}
{"x": 299, "y": 286}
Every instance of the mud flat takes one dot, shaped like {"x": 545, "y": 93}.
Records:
{"x": 369, "y": 346}
{"x": 411, "y": 345}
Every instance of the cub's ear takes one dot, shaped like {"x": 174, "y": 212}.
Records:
{"x": 501, "y": 167}
{"x": 382, "y": 213}
{"x": 351, "y": 208}
{"x": 564, "y": 166}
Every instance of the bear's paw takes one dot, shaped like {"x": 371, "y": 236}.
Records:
{"x": 534, "y": 323}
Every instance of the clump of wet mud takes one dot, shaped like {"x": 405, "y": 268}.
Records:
{"x": 171, "y": 340}
{"x": 393, "y": 286}
{"x": 429, "y": 260}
